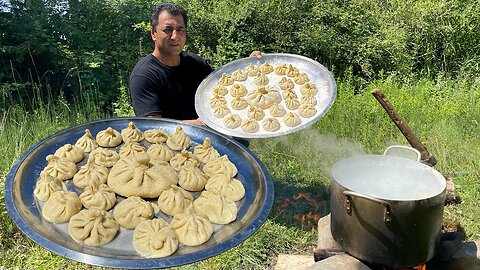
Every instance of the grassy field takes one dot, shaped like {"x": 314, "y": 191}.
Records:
{"x": 444, "y": 114}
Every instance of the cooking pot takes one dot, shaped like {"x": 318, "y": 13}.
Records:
{"x": 387, "y": 209}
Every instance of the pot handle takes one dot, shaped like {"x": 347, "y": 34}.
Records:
{"x": 348, "y": 194}
{"x": 403, "y": 151}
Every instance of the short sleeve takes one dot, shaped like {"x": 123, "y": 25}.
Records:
{"x": 145, "y": 98}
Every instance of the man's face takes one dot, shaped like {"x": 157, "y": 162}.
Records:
{"x": 170, "y": 34}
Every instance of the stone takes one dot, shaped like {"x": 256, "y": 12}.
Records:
{"x": 466, "y": 258}
{"x": 326, "y": 245}
{"x": 291, "y": 262}
{"x": 340, "y": 261}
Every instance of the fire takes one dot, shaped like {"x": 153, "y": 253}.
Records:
{"x": 307, "y": 220}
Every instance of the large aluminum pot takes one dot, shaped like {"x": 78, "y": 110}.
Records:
{"x": 387, "y": 210}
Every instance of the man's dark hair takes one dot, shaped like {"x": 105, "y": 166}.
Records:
{"x": 171, "y": 8}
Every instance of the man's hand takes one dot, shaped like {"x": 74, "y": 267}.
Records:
{"x": 197, "y": 121}
{"x": 257, "y": 54}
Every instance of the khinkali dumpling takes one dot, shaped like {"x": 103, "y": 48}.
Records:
{"x": 219, "y": 90}
{"x": 184, "y": 159}
{"x": 255, "y": 113}
{"x": 261, "y": 79}
{"x": 131, "y": 148}
{"x": 221, "y": 111}
{"x": 160, "y": 152}
{"x": 109, "y": 137}
{"x": 104, "y": 157}
{"x": 179, "y": 140}
{"x": 138, "y": 177}
{"x": 271, "y": 124}
{"x": 250, "y": 125}
{"x": 239, "y": 75}
{"x": 98, "y": 196}
{"x": 219, "y": 209}
{"x": 265, "y": 68}
{"x": 225, "y": 79}
{"x": 192, "y": 228}
{"x": 61, "y": 206}
{"x": 286, "y": 84}
{"x": 238, "y": 103}
{"x": 131, "y": 133}
{"x": 133, "y": 210}
{"x": 217, "y": 100}
{"x": 307, "y": 110}
{"x": 155, "y": 135}
{"x": 70, "y": 152}
{"x": 221, "y": 165}
{"x": 87, "y": 142}
{"x": 308, "y": 89}
{"x": 238, "y": 90}
{"x": 192, "y": 178}
{"x": 292, "y": 71}
{"x": 174, "y": 200}
{"x": 60, "y": 168}
{"x": 252, "y": 70}
{"x": 277, "y": 110}
{"x": 226, "y": 186}
{"x": 292, "y": 103}
{"x": 289, "y": 93}
{"x": 281, "y": 70}
{"x": 232, "y": 121}
{"x": 306, "y": 99}
{"x": 301, "y": 78}
{"x": 262, "y": 96}
{"x": 154, "y": 239}
{"x": 93, "y": 227}
{"x": 90, "y": 173}
{"x": 205, "y": 152}
{"x": 47, "y": 185}
{"x": 292, "y": 119}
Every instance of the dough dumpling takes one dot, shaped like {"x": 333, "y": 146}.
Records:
{"x": 238, "y": 103}
{"x": 226, "y": 186}
{"x": 155, "y": 135}
{"x": 160, "y": 152}
{"x": 306, "y": 99}
{"x": 271, "y": 124}
{"x": 221, "y": 111}
{"x": 250, "y": 125}
{"x": 289, "y": 93}
{"x": 292, "y": 103}
{"x": 132, "y": 133}
{"x": 174, "y": 200}
{"x": 221, "y": 165}
{"x": 219, "y": 209}
{"x": 266, "y": 68}
{"x": 90, "y": 173}
{"x": 191, "y": 178}
{"x": 109, "y": 138}
{"x": 286, "y": 84}
{"x": 281, "y": 70}
{"x": 104, "y": 157}
{"x": 301, "y": 78}
{"x": 225, "y": 80}
{"x": 47, "y": 185}
{"x": 261, "y": 79}
{"x": 277, "y": 110}
{"x": 292, "y": 119}
{"x": 239, "y": 75}
{"x": 192, "y": 228}
{"x": 238, "y": 90}
{"x": 217, "y": 100}
{"x": 87, "y": 142}
{"x": 308, "y": 89}
{"x": 60, "y": 168}
{"x": 93, "y": 227}
{"x": 131, "y": 148}
{"x": 255, "y": 113}
{"x": 262, "y": 96}
{"x": 232, "y": 121}
{"x": 61, "y": 206}
{"x": 179, "y": 140}
{"x": 138, "y": 177}
{"x": 219, "y": 90}
{"x": 98, "y": 196}
{"x": 252, "y": 70}
{"x": 70, "y": 152}
{"x": 133, "y": 210}
{"x": 154, "y": 239}
{"x": 307, "y": 110}
{"x": 205, "y": 152}
{"x": 292, "y": 71}
{"x": 184, "y": 159}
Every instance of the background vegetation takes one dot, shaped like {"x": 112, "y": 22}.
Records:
{"x": 67, "y": 62}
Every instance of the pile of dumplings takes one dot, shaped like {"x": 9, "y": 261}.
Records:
{"x": 263, "y": 98}
{"x": 128, "y": 178}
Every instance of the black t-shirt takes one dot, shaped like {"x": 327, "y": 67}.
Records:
{"x": 156, "y": 88}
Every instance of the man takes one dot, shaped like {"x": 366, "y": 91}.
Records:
{"x": 163, "y": 83}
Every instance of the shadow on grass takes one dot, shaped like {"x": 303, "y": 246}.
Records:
{"x": 300, "y": 207}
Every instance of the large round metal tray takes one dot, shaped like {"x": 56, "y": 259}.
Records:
{"x": 318, "y": 74}
{"x": 24, "y": 209}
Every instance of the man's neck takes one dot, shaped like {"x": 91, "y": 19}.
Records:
{"x": 169, "y": 60}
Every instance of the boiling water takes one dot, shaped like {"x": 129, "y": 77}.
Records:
{"x": 390, "y": 178}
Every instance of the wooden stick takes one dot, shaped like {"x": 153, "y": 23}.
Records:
{"x": 425, "y": 156}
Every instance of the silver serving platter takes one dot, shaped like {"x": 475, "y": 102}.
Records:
{"x": 25, "y": 209}
{"x": 318, "y": 74}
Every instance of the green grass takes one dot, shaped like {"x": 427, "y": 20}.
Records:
{"x": 444, "y": 113}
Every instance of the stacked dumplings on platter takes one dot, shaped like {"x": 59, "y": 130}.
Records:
{"x": 263, "y": 98}
{"x": 164, "y": 190}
